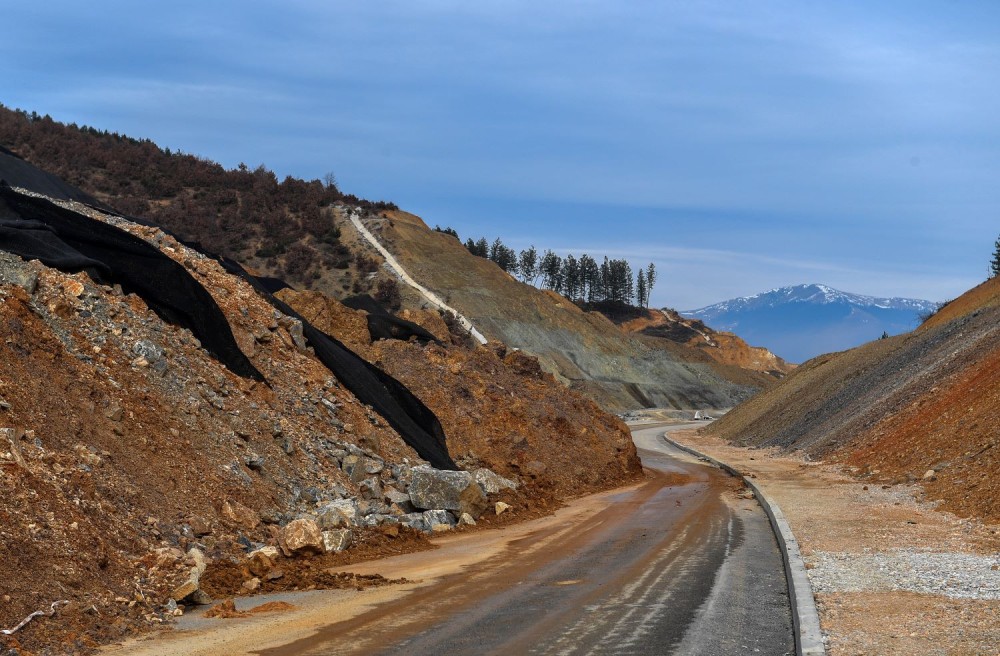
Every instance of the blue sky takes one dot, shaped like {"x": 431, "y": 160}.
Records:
{"x": 739, "y": 145}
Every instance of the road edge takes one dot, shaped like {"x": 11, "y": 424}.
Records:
{"x": 805, "y": 616}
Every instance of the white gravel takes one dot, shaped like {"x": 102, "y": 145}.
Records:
{"x": 955, "y": 575}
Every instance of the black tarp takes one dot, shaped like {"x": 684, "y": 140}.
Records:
{"x": 183, "y": 301}
{"x": 382, "y": 324}
{"x": 19, "y": 173}
{"x": 36, "y": 228}
{"x": 273, "y": 285}
{"x": 414, "y": 421}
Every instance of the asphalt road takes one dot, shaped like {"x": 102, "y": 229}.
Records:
{"x": 680, "y": 565}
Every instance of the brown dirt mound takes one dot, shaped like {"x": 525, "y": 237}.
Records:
{"x": 227, "y": 609}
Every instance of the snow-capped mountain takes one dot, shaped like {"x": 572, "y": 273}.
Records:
{"x": 803, "y": 321}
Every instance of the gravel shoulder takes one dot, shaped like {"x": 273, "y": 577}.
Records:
{"x": 891, "y": 574}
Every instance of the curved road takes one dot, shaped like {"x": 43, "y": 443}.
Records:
{"x": 679, "y": 565}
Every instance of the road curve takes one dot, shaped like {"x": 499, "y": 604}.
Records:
{"x": 679, "y": 565}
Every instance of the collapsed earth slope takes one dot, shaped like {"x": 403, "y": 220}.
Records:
{"x": 582, "y": 349}
{"x": 125, "y": 442}
{"x": 923, "y": 406}
{"x": 733, "y": 356}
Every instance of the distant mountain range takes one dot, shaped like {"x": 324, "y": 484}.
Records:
{"x": 803, "y": 321}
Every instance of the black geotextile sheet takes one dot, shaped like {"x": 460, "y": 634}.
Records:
{"x": 414, "y": 421}
{"x": 36, "y": 228}
{"x": 384, "y": 325}
{"x": 19, "y": 173}
{"x": 78, "y": 242}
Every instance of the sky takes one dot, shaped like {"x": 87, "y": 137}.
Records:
{"x": 740, "y": 146}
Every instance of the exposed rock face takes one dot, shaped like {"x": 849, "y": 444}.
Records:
{"x": 580, "y": 349}
{"x": 724, "y": 348}
{"x": 447, "y": 490}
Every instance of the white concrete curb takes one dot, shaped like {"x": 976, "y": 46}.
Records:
{"x": 805, "y": 617}
{"x": 405, "y": 277}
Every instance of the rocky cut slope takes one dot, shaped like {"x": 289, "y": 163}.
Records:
{"x": 141, "y": 449}
{"x": 923, "y": 406}
{"x": 584, "y": 350}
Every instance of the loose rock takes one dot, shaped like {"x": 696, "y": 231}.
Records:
{"x": 301, "y": 536}
{"x": 434, "y": 489}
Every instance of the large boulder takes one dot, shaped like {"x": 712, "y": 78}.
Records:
{"x": 192, "y": 584}
{"x": 399, "y": 499}
{"x": 439, "y": 521}
{"x": 435, "y": 489}
{"x": 301, "y": 536}
{"x": 491, "y": 482}
{"x": 354, "y": 467}
{"x": 414, "y": 520}
{"x": 342, "y": 512}
{"x": 337, "y": 540}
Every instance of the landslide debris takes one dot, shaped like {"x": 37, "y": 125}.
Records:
{"x": 920, "y": 407}
{"x": 136, "y": 469}
{"x": 297, "y": 231}
{"x": 733, "y": 357}
{"x": 499, "y": 409}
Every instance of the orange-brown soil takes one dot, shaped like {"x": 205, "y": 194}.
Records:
{"x": 497, "y": 406}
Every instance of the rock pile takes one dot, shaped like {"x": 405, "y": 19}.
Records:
{"x": 419, "y": 497}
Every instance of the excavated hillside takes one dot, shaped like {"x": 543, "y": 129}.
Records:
{"x": 733, "y": 355}
{"x": 584, "y": 350}
{"x": 131, "y": 451}
{"x": 924, "y": 406}
{"x": 488, "y": 400}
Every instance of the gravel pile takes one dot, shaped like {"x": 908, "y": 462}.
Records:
{"x": 955, "y": 575}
